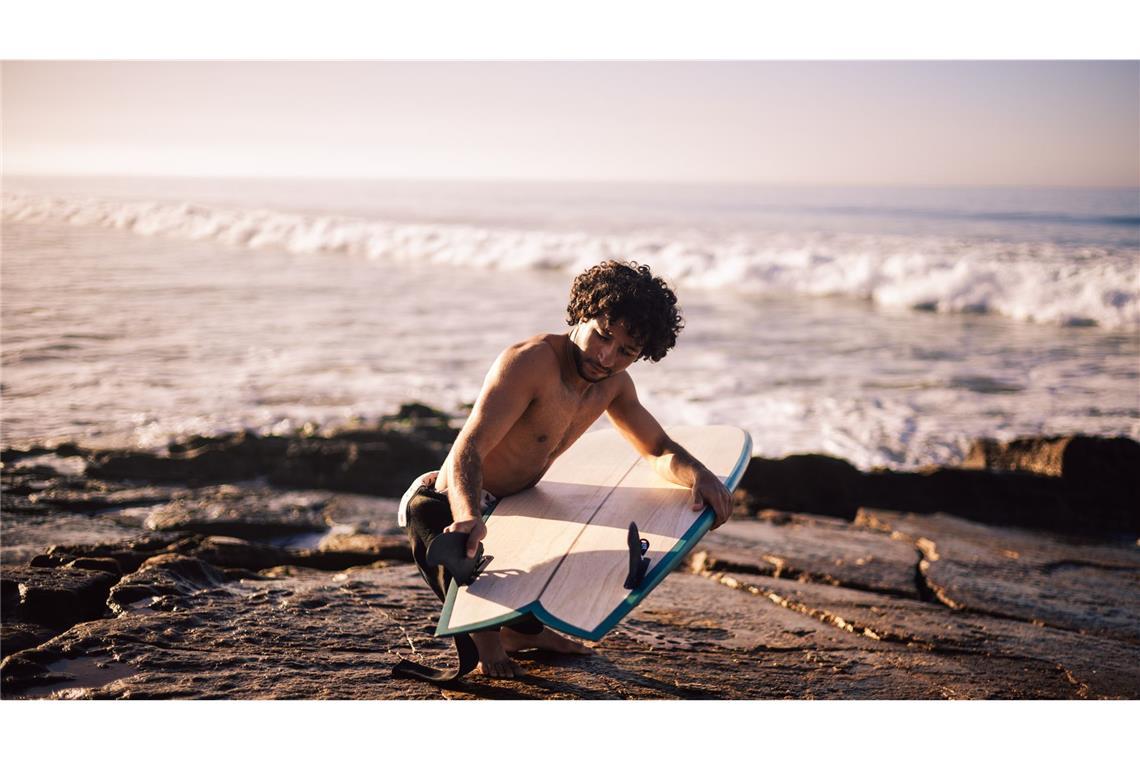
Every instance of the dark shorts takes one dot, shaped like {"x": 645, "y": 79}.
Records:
{"x": 428, "y": 514}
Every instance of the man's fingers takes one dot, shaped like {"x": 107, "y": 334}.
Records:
{"x": 722, "y": 510}
{"x": 696, "y": 502}
{"x": 473, "y": 540}
{"x": 718, "y": 499}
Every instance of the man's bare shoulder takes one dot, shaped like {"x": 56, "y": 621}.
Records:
{"x": 620, "y": 387}
{"x": 536, "y": 355}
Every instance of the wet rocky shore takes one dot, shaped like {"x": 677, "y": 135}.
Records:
{"x": 249, "y": 567}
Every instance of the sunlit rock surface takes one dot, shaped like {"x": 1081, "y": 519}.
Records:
{"x": 249, "y": 590}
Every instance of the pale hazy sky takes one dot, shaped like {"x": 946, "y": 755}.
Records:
{"x": 930, "y": 123}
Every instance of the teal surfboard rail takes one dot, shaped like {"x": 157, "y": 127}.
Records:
{"x": 656, "y": 574}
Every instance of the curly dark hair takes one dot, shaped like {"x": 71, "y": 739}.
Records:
{"x": 628, "y": 292}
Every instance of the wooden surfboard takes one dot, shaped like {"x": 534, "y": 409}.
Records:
{"x": 559, "y": 550}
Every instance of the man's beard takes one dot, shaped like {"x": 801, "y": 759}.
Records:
{"x": 580, "y": 364}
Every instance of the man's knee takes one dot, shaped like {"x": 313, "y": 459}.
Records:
{"x": 427, "y": 512}
{"x": 528, "y": 624}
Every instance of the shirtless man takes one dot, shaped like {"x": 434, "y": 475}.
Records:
{"x": 538, "y": 398}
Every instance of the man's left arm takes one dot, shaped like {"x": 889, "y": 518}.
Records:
{"x": 669, "y": 459}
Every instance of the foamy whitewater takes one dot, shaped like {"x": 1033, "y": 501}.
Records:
{"x": 890, "y": 327}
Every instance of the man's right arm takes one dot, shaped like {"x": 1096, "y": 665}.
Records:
{"x": 510, "y": 386}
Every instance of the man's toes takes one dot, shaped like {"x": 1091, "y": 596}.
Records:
{"x": 503, "y": 669}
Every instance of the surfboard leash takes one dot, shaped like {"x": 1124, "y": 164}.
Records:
{"x": 450, "y": 550}
{"x": 468, "y": 659}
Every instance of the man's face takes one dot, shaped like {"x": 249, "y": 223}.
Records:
{"x": 604, "y": 348}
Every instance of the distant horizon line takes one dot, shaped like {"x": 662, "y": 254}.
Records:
{"x": 4, "y": 176}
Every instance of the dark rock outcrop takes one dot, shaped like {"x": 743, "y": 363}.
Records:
{"x": 237, "y": 456}
{"x": 127, "y": 555}
{"x": 814, "y": 483}
{"x": 1075, "y": 484}
{"x": 54, "y": 596}
{"x": 17, "y": 635}
{"x": 383, "y": 463}
{"x": 1081, "y": 458}
{"x": 1099, "y": 477}
{"x": 162, "y": 580}
{"x": 380, "y": 459}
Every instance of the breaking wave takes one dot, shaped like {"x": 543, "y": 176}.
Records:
{"x": 1072, "y": 285}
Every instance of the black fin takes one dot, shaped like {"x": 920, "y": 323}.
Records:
{"x": 638, "y": 562}
{"x": 450, "y": 550}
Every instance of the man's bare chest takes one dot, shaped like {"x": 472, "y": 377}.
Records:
{"x": 554, "y": 420}
{"x": 551, "y": 423}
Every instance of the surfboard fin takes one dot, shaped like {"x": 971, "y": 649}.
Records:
{"x": 450, "y": 550}
{"x": 638, "y": 562}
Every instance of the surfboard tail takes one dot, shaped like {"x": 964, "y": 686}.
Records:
{"x": 569, "y": 565}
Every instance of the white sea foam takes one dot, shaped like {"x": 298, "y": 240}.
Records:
{"x": 1033, "y": 282}
{"x": 125, "y": 339}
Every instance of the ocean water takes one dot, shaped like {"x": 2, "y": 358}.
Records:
{"x": 887, "y": 326}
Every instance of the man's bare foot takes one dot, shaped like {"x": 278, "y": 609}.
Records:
{"x": 548, "y": 641}
{"x": 493, "y": 659}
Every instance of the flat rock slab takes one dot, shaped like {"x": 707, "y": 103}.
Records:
{"x": 371, "y": 515}
{"x": 17, "y": 635}
{"x": 98, "y": 497}
{"x": 26, "y": 536}
{"x": 162, "y": 582}
{"x": 819, "y": 549}
{"x": 44, "y": 488}
{"x": 336, "y": 552}
{"x": 191, "y": 631}
{"x": 242, "y": 513}
{"x": 55, "y": 596}
{"x": 289, "y": 634}
{"x": 783, "y": 651}
{"x": 897, "y": 606}
{"x": 69, "y": 512}
{"x": 1016, "y": 655}
{"x": 37, "y": 480}
{"x": 48, "y": 461}
{"x": 1058, "y": 581}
